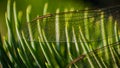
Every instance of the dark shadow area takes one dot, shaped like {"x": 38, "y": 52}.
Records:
{"x": 103, "y": 3}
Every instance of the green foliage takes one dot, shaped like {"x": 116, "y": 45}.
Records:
{"x": 60, "y": 41}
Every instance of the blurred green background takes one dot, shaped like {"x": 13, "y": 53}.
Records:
{"x": 37, "y": 8}
{"x": 38, "y": 5}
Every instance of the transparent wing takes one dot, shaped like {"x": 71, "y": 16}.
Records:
{"x": 69, "y": 26}
{"x": 98, "y": 56}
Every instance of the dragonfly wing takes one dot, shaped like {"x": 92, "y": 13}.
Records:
{"x": 64, "y": 25}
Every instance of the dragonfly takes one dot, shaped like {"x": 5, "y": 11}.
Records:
{"x": 57, "y": 26}
{"x": 93, "y": 25}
